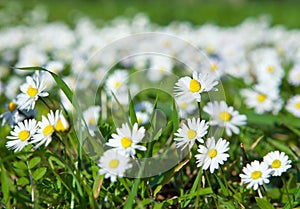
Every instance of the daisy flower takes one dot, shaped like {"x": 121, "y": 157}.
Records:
{"x": 91, "y": 117}
{"x": 225, "y": 116}
{"x": 142, "y": 117}
{"x": 278, "y": 162}
{"x": 46, "y": 128}
{"x": 294, "y": 75}
{"x": 186, "y": 106}
{"x": 21, "y": 135}
{"x": 12, "y": 116}
{"x": 117, "y": 81}
{"x": 193, "y": 87}
{"x": 31, "y": 91}
{"x": 263, "y": 98}
{"x": 256, "y": 174}
{"x": 293, "y": 105}
{"x": 113, "y": 164}
{"x": 211, "y": 155}
{"x": 62, "y": 124}
{"x": 126, "y": 139}
{"x": 187, "y": 134}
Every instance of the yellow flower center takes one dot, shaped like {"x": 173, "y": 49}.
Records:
{"x": 59, "y": 125}
{"x": 261, "y": 98}
{"x": 32, "y": 92}
{"x": 298, "y": 105}
{"x": 92, "y": 121}
{"x": 210, "y": 49}
{"x": 212, "y": 153}
{"x": 167, "y": 43}
{"x": 225, "y": 116}
{"x": 276, "y": 164}
{"x": 191, "y": 134}
{"x": 48, "y": 130}
{"x": 117, "y": 84}
{"x": 162, "y": 70}
{"x": 256, "y": 174}
{"x": 139, "y": 120}
{"x": 23, "y": 135}
{"x": 270, "y": 69}
{"x": 183, "y": 105}
{"x": 214, "y": 66}
{"x": 11, "y": 106}
{"x": 114, "y": 163}
{"x": 126, "y": 142}
{"x": 194, "y": 86}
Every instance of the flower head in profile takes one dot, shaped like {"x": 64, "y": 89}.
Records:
{"x": 193, "y": 87}
{"x": 31, "y": 91}
{"x": 187, "y": 134}
{"x": 212, "y": 154}
{"x": 278, "y": 162}
{"x": 21, "y": 135}
{"x": 91, "y": 117}
{"x": 113, "y": 164}
{"x": 46, "y": 128}
{"x": 256, "y": 174}
{"x": 225, "y": 116}
{"x": 126, "y": 140}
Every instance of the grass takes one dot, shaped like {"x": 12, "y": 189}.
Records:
{"x": 224, "y": 13}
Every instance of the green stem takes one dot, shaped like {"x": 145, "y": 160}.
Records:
{"x": 199, "y": 109}
{"x": 287, "y": 191}
{"x": 209, "y": 184}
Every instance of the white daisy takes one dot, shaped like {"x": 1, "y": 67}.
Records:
{"x": 62, "y": 124}
{"x": 126, "y": 140}
{"x": 256, "y": 174}
{"x": 142, "y": 117}
{"x": 12, "y": 116}
{"x": 186, "y": 106}
{"x": 194, "y": 86}
{"x": 113, "y": 164}
{"x": 263, "y": 98}
{"x": 21, "y": 135}
{"x": 45, "y": 130}
{"x": 225, "y": 116}
{"x": 31, "y": 91}
{"x": 211, "y": 155}
{"x": 91, "y": 117}
{"x": 187, "y": 134}
{"x": 294, "y": 75}
{"x": 278, "y": 162}
{"x": 293, "y": 105}
{"x": 117, "y": 81}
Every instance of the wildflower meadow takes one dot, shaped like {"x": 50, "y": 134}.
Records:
{"x": 132, "y": 114}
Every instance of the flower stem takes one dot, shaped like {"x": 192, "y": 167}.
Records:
{"x": 287, "y": 191}
{"x": 209, "y": 184}
{"x": 199, "y": 109}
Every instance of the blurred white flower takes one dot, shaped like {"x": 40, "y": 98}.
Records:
{"x": 293, "y": 105}
{"x": 12, "y": 116}
{"x": 91, "y": 117}
{"x": 294, "y": 75}
{"x": 113, "y": 164}
{"x": 224, "y": 116}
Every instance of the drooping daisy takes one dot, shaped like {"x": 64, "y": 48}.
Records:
{"x": 293, "y": 105}
{"x": 21, "y": 135}
{"x": 225, "y": 116}
{"x": 256, "y": 174}
{"x": 278, "y": 162}
{"x": 62, "y": 124}
{"x": 126, "y": 140}
{"x": 91, "y": 117}
{"x": 195, "y": 86}
{"x": 12, "y": 116}
{"x": 187, "y": 134}
{"x": 212, "y": 155}
{"x": 46, "y": 128}
{"x": 31, "y": 91}
{"x": 113, "y": 164}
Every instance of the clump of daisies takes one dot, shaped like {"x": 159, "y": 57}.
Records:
{"x": 257, "y": 173}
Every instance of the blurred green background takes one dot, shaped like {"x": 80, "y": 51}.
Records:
{"x": 221, "y": 12}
